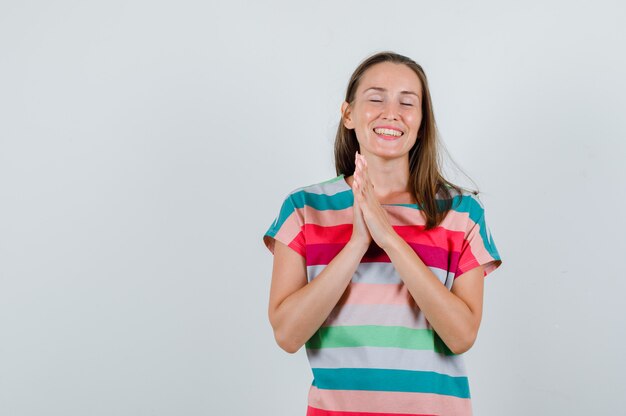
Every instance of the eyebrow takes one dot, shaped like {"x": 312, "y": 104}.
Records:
{"x": 384, "y": 90}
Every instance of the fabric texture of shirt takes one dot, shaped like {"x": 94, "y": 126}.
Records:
{"x": 376, "y": 354}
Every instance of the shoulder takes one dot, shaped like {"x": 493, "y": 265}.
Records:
{"x": 463, "y": 201}
{"x": 326, "y": 188}
{"x": 451, "y": 192}
{"x": 333, "y": 193}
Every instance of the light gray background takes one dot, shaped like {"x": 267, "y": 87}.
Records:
{"x": 146, "y": 147}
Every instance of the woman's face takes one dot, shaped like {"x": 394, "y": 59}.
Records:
{"x": 387, "y": 110}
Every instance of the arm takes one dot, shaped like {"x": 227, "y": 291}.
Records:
{"x": 296, "y": 308}
{"x": 454, "y": 314}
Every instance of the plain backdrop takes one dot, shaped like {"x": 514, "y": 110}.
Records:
{"x": 146, "y": 146}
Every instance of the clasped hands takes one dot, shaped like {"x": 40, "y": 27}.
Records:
{"x": 370, "y": 219}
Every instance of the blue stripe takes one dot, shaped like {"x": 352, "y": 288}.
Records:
{"x": 374, "y": 379}
{"x": 345, "y": 199}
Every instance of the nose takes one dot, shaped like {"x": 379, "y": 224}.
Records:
{"x": 390, "y": 111}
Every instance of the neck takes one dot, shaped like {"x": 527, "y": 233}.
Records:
{"x": 388, "y": 176}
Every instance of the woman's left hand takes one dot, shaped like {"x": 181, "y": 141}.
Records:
{"x": 373, "y": 213}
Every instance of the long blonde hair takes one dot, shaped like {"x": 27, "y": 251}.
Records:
{"x": 425, "y": 175}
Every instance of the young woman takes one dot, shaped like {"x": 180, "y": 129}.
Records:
{"x": 379, "y": 271}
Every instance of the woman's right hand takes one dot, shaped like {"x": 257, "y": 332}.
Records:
{"x": 360, "y": 233}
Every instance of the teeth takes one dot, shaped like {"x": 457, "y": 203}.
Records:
{"x": 388, "y": 132}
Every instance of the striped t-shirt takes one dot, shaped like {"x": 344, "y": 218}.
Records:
{"x": 376, "y": 354}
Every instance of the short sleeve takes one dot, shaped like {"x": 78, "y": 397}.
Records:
{"x": 288, "y": 226}
{"x": 478, "y": 247}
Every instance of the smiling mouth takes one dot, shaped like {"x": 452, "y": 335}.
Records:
{"x": 388, "y": 134}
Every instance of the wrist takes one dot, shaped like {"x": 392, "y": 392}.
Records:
{"x": 358, "y": 246}
{"x": 393, "y": 243}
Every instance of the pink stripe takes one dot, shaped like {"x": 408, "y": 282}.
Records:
{"x": 289, "y": 234}
{"x": 326, "y": 217}
{"x": 389, "y": 402}
{"x": 377, "y": 294}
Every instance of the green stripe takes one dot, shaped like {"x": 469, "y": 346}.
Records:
{"x": 332, "y": 180}
{"x": 377, "y": 379}
{"x": 377, "y": 336}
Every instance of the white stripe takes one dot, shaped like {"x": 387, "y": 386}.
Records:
{"x": 409, "y": 316}
{"x": 328, "y": 188}
{"x": 381, "y": 272}
{"x": 387, "y": 357}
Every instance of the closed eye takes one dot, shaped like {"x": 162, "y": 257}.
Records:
{"x": 380, "y": 101}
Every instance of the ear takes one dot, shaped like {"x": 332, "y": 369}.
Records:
{"x": 346, "y": 115}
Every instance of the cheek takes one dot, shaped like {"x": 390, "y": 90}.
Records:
{"x": 367, "y": 116}
{"x": 415, "y": 120}
{"x": 370, "y": 112}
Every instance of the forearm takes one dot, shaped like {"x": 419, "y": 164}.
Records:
{"x": 304, "y": 311}
{"x": 449, "y": 316}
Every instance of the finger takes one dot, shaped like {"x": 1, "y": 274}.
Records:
{"x": 364, "y": 167}
{"x": 361, "y": 163}
{"x": 364, "y": 178}
{"x": 359, "y": 197}
{"x": 361, "y": 175}
{"x": 361, "y": 169}
{"x": 356, "y": 205}
{"x": 358, "y": 174}
{"x": 362, "y": 203}
{"x": 358, "y": 184}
